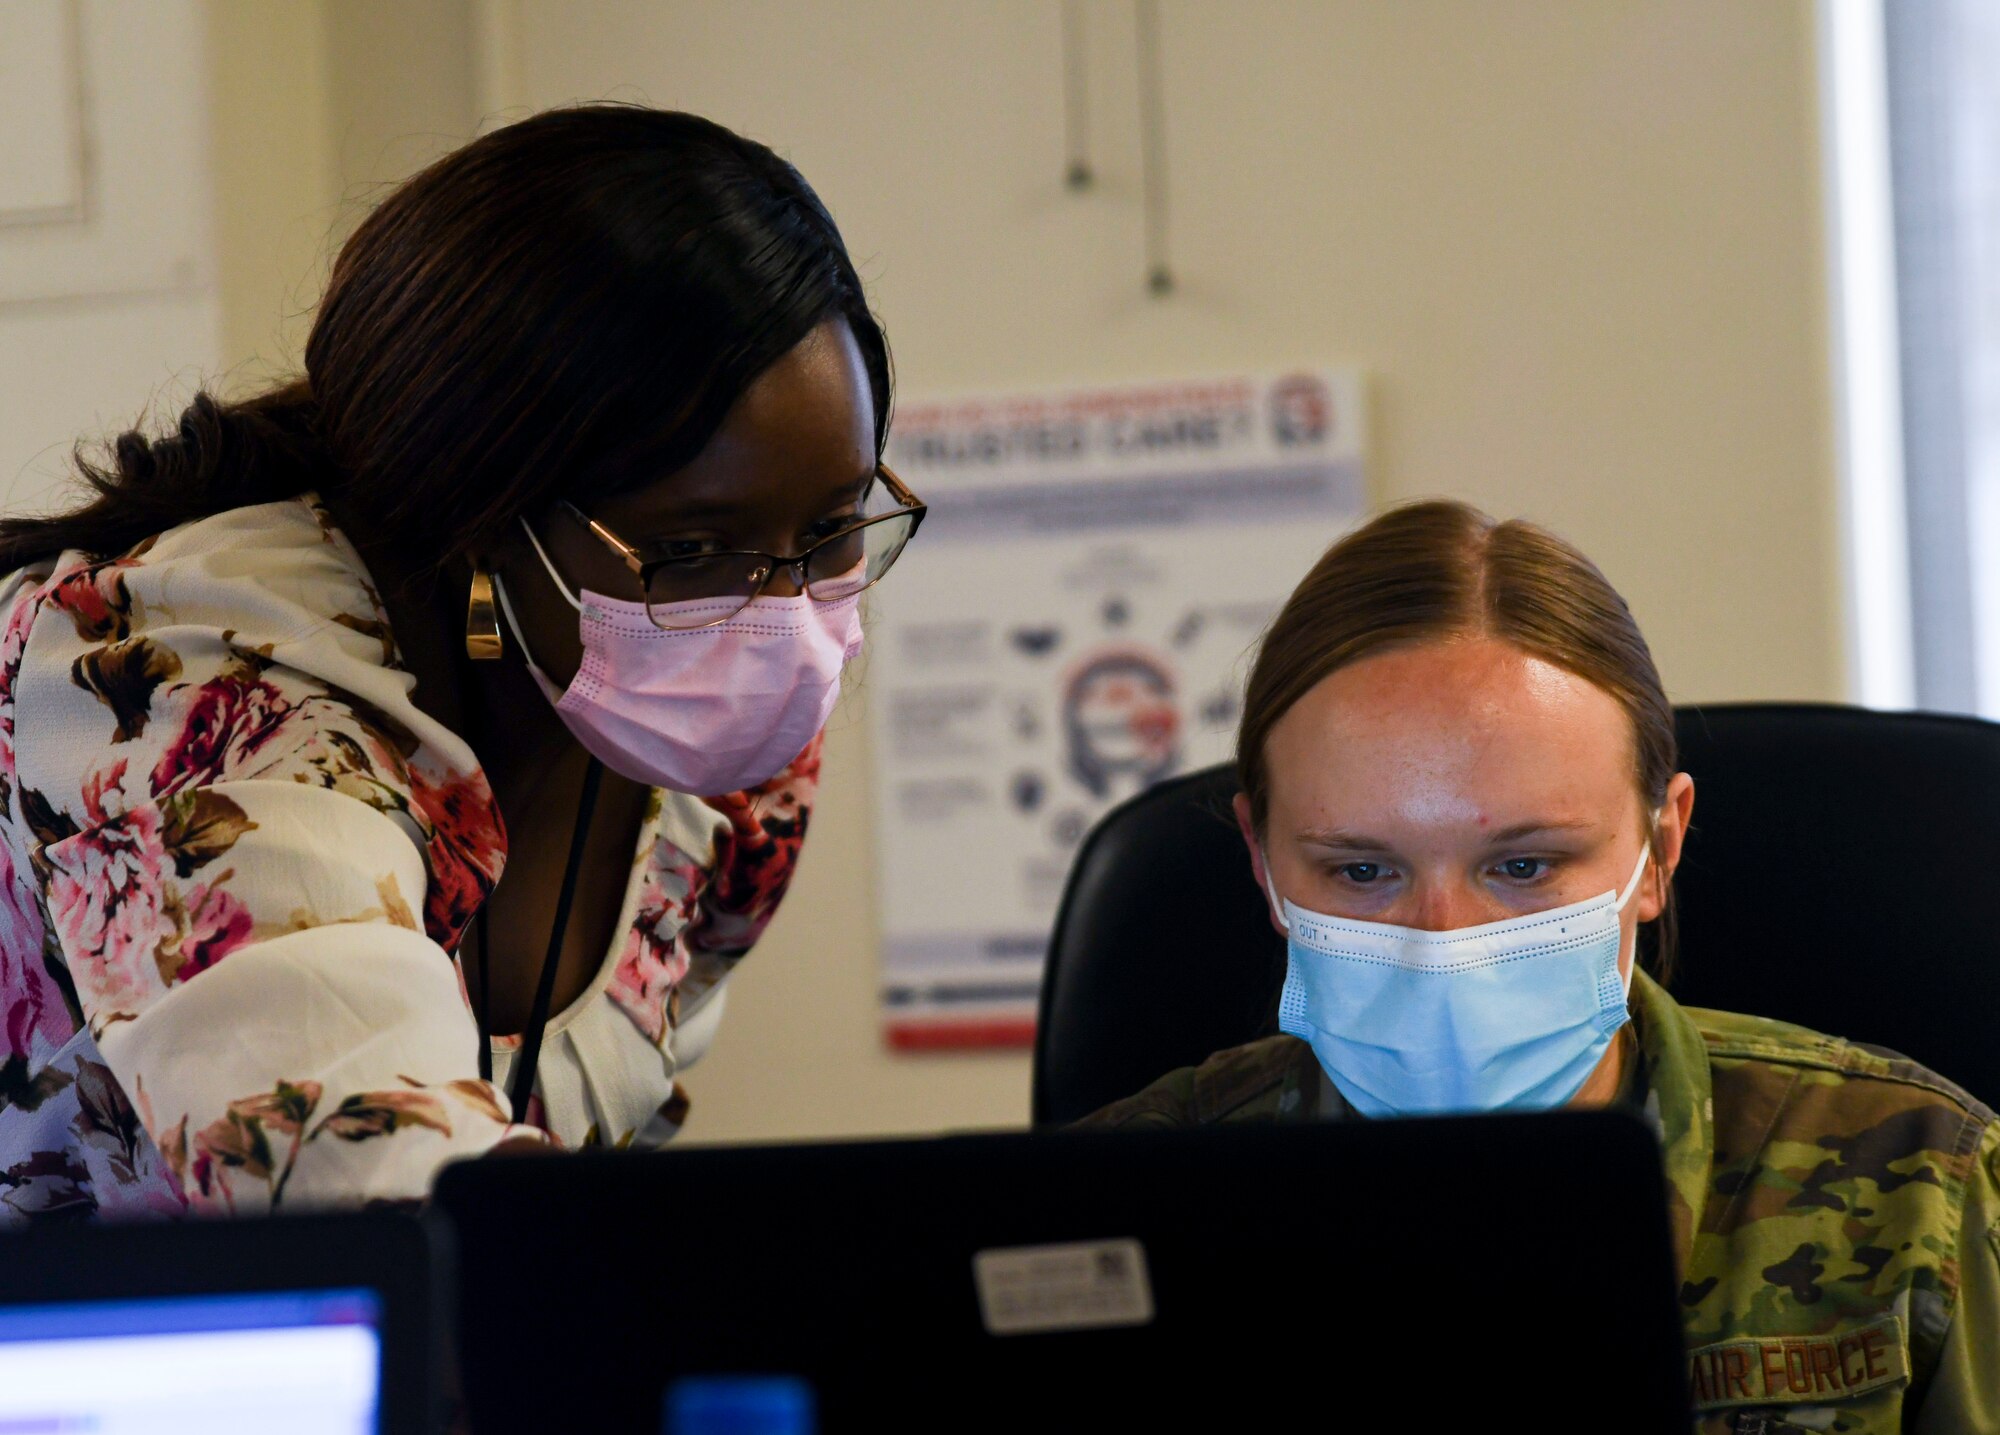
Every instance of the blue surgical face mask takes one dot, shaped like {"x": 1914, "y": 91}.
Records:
{"x": 1510, "y": 1016}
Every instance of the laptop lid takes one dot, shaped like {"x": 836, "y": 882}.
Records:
{"x": 1051, "y": 1280}
{"x": 309, "y": 1325}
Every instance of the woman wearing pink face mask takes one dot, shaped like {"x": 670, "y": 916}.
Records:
{"x": 566, "y": 520}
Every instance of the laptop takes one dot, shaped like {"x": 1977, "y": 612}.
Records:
{"x": 311, "y": 1325}
{"x": 1421, "y": 1272}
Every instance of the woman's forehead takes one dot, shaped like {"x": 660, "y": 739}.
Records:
{"x": 1471, "y": 725}
{"x": 803, "y": 432}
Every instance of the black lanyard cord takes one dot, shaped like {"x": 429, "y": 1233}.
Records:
{"x": 485, "y": 1009}
{"x": 523, "y": 1084}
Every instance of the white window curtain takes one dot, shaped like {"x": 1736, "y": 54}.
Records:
{"x": 1942, "y": 66}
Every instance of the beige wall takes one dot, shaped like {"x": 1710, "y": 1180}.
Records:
{"x": 275, "y": 178}
{"x": 115, "y": 308}
{"x": 1576, "y": 244}
{"x": 316, "y": 105}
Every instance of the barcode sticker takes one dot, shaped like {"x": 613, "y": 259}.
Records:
{"x": 1078, "y": 1285}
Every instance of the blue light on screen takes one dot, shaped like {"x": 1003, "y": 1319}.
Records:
{"x": 305, "y": 1362}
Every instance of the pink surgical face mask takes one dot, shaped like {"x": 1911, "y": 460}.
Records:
{"x": 699, "y": 710}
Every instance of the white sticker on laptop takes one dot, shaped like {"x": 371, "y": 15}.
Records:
{"x": 1078, "y": 1285}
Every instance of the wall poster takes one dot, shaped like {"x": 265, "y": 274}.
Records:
{"x": 1073, "y": 623}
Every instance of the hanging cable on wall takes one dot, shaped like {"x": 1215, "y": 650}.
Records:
{"x": 1153, "y": 149}
{"x": 1077, "y": 173}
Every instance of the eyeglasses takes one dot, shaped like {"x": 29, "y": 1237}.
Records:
{"x": 703, "y": 589}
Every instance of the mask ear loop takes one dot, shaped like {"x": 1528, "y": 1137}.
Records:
{"x": 1631, "y": 887}
{"x": 1277, "y": 902}
{"x": 513, "y": 625}
{"x": 507, "y": 612}
{"x": 1645, "y": 855}
{"x": 554, "y": 577}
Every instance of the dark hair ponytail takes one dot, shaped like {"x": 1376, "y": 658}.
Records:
{"x": 220, "y": 456}
{"x": 563, "y": 308}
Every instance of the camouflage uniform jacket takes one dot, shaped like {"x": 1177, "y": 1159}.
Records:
{"x": 1836, "y": 1213}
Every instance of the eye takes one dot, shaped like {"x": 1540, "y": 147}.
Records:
{"x": 1524, "y": 869}
{"x": 1361, "y": 872}
{"x": 668, "y": 549}
{"x": 827, "y": 527}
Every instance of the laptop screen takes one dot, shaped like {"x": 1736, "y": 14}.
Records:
{"x": 304, "y": 1362}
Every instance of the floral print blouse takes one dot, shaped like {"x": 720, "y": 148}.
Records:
{"x": 235, "y": 864}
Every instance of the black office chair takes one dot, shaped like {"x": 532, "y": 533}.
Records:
{"x": 1836, "y": 876}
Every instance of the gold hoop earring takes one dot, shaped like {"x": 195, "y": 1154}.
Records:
{"x": 482, "y": 620}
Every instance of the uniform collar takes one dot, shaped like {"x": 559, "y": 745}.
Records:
{"x": 1677, "y": 1069}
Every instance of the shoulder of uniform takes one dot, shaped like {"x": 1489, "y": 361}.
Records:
{"x": 1243, "y": 1083}
{"x": 1732, "y": 1037}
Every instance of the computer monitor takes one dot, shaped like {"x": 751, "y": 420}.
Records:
{"x": 311, "y": 1326}
{"x": 1447, "y": 1272}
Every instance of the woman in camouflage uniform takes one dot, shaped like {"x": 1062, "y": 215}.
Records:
{"x": 1455, "y": 723}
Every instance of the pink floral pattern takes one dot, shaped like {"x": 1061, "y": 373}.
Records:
{"x": 467, "y": 851}
{"x": 182, "y": 797}
{"x": 96, "y": 599}
{"x": 33, "y": 1018}
{"x": 120, "y": 906}
{"x": 714, "y": 906}
{"x": 237, "y": 725}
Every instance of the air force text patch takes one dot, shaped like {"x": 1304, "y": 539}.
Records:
{"x": 1792, "y": 1369}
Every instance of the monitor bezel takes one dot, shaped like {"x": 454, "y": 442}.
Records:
{"x": 397, "y": 1257}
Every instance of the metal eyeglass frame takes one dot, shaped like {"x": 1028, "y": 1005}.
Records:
{"x": 908, "y": 504}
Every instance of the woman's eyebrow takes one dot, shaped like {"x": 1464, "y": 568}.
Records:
{"x": 1340, "y": 839}
{"x": 690, "y": 510}
{"x": 727, "y": 506}
{"x": 1536, "y": 829}
{"x": 856, "y": 488}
